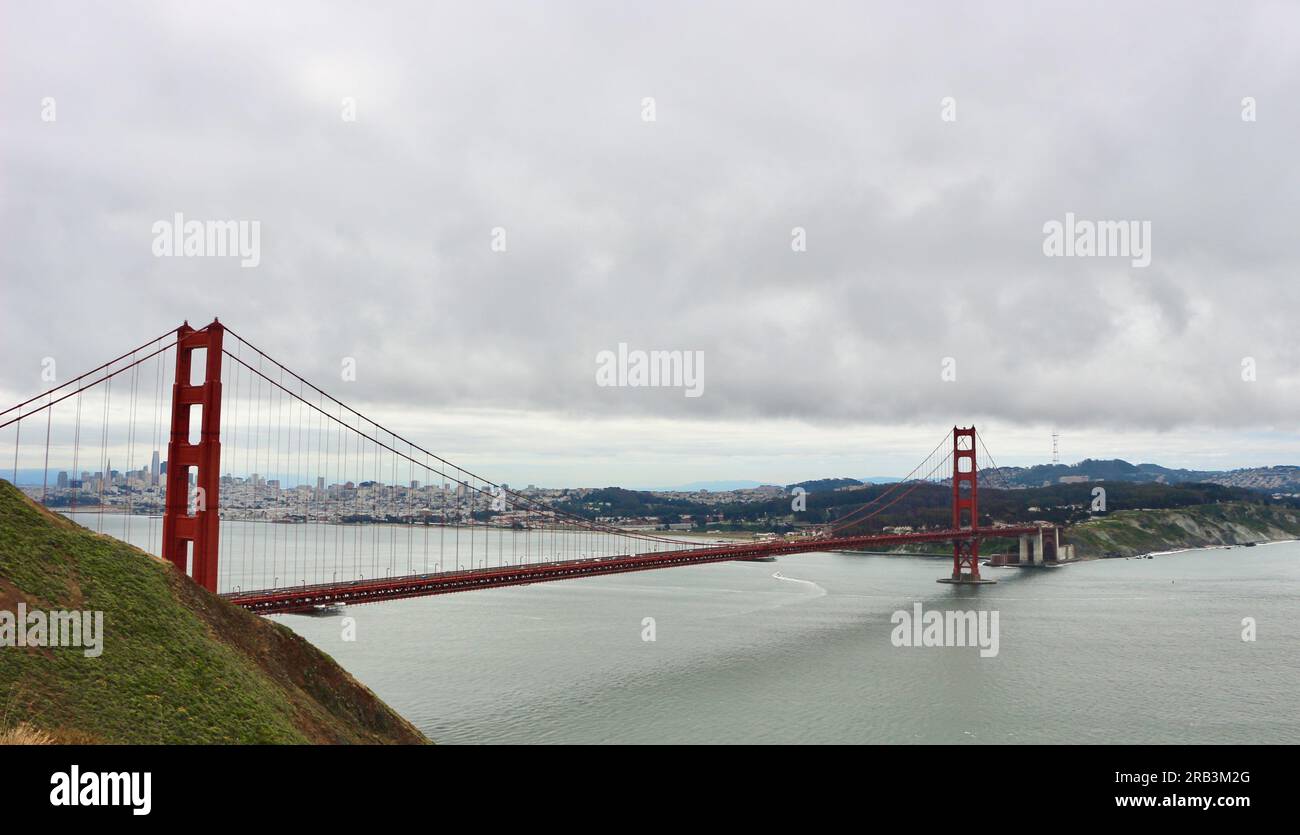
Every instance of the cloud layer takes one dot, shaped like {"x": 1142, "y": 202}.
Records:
{"x": 924, "y": 237}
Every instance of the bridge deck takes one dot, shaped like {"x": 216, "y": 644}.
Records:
{"x": 301, "y": 598}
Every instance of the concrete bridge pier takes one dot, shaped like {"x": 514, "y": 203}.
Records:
{"x": 1033, "y": 548}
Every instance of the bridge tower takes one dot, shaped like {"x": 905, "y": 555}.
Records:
{"x": 192, "y": 538}
{"x": 965, "y": 508}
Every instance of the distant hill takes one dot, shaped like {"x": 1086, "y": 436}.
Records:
{"x": 1285, "y": 479}
{"x": 923, "y": 504}
{"x": 1274, "y": 479}
{"x": 821, "y": 484}
{"x": 178, "y": 664}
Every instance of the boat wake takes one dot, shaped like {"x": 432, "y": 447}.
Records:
{"x": 821, "y": 592}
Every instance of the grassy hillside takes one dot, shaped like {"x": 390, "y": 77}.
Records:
{"x": 1129, "y": 532}
{"x": 179, "y": 665}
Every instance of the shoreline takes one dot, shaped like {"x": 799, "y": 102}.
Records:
{"x": 1088, "y": 558}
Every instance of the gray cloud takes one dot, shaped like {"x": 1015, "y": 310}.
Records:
{"x": 924, "y": 237}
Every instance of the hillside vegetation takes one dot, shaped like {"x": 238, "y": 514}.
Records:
{"x": 179, "y": 665}
{"x": 1129, "y": 532}
{"x": 923, "y": 505}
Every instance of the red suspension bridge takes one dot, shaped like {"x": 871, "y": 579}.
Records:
{"x": 334, "y": 508}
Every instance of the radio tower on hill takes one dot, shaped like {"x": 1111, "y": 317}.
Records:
{"x": 1056, "y": 457}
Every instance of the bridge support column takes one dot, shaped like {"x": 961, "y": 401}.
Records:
{"x": 965, "y": 508}
{"x": 1024, "y": 550}
{"x": 193, "y": 538}
{"x": 1038, "y": 548}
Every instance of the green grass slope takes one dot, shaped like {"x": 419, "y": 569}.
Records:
{"x": 1126, "y": 533}
{"x": 179, "y": 665}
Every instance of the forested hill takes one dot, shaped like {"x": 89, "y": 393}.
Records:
{"x": 915, "y": 505}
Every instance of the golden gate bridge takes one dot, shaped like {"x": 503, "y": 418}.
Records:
{"x": 343, "y": 483}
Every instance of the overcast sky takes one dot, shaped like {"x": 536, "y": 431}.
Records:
{"x": 924, "y": 236}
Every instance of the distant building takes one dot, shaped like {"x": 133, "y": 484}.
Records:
{"x": 63, "y": 480}
{"x": 154, "y": 469}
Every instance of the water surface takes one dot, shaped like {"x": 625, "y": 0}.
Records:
{"x": 799, "y": 651}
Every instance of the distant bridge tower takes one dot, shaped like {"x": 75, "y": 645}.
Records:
{"x": 965, "y": 508}
{"x": 181, "y": 530}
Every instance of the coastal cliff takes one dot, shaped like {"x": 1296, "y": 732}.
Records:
{"x": 1126, "y": 533}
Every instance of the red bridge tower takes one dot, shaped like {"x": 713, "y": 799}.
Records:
{"x": 181, "y": 529}
{"x": 965, "y": 508}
